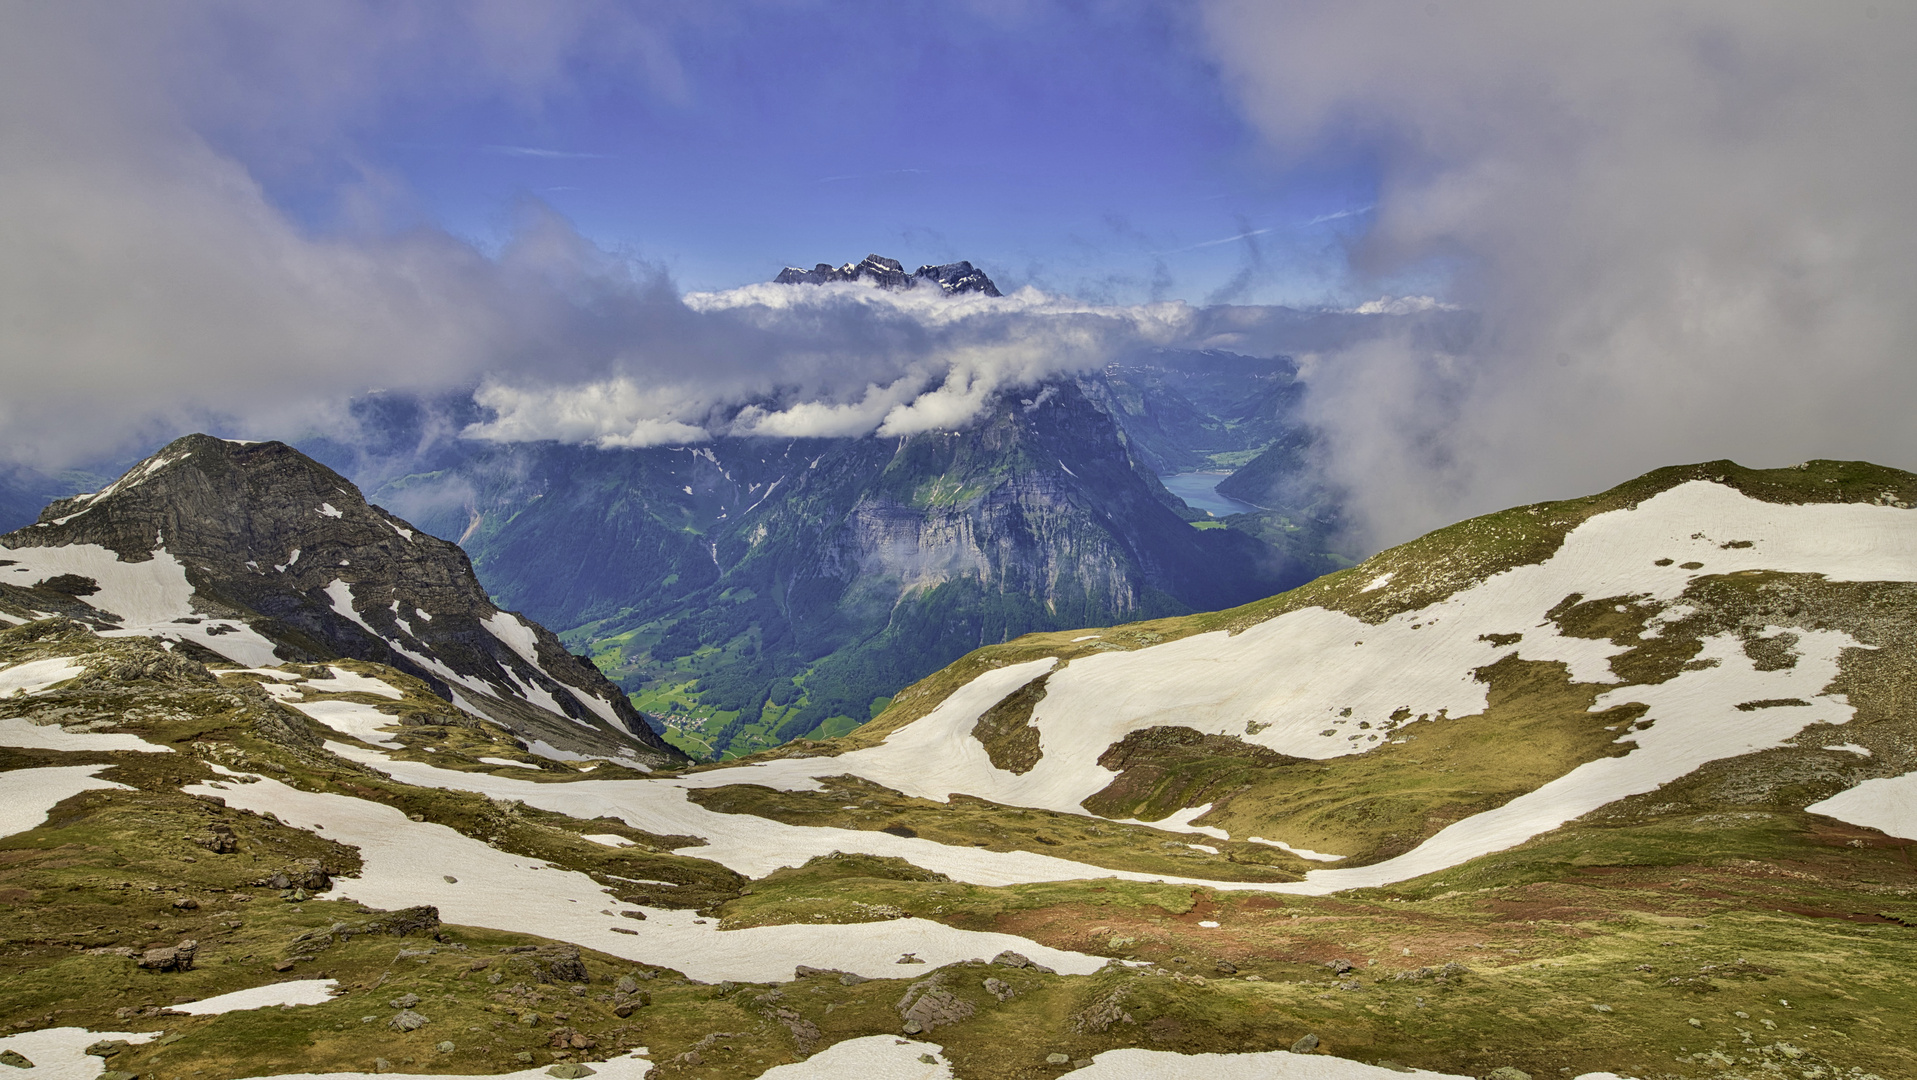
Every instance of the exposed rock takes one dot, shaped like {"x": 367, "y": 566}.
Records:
{"x": 15, "y": 1058}
{"x": 570, "y": 1070}
{"x": 566, "y": 1038}
{"x": 404, "y": 1001}
{"x": 1010, "y": 959}
{"x": 999, "y": 988}
{"x": 407, "y": 1020}
{"x": 1305, "y": 1045}
{"x": 106, "y": 1048}
{"x": 1506, "y": 1072}
{"x": 950, "y": 278}
{"x": 445, "y": 1047}
{"x": 1100, "y": 1015}
{"x": 171, "y": 958}
{"x": 1226, "y": 967}
{"x": 927, "y": 1004}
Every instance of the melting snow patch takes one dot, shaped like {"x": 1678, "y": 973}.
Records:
{"x": 37, "y": 675}
{"x": 60, "y": 1053}
{"x": 607, "y": 839}
{"x": 874, "y": 1057}
{"x": 1378, "y": 582}
{"x": 326, "y": 510}
{"x": 514, "y": 764}
{"x": 1207, "y": 848}
{"x": 1086, "y": 637}
{"x": 27, "y": 794}
{"x": 1852, "y": 747}
{"x": 1887, "y": 804}
{"x": 297, "y": 992}
{"x": 1303, "y": 853}
{"x": 24, "y": 734}
{"x": 405, "y": 863}
{"x": 362, "y": 722}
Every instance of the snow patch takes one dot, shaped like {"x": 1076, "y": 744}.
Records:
{"x": 296, "y": 992}
{"x": 873, "y": 1057}
{"x": 514, "y": 764}
{"x": 60, "y": 1053}
{"x": 405, "y": 863}
{"x": 27, "y": 794}
{"x": 35, "y": 676}
{"x": 326, "y": 510}
{"x": 1303, "y": 853}
{"x": 1887, "y": 804}
{"x": 1376, "y": 583}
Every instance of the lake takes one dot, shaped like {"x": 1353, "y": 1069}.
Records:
{"x": 1200, "y": 492}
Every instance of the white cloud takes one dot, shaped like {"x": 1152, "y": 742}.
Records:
{"x": 1684, "y": 228}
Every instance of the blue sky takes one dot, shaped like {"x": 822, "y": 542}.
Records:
{"x": 1086, "y": 148}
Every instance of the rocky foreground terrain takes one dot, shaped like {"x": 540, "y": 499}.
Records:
{"x": 1619, "y": 786}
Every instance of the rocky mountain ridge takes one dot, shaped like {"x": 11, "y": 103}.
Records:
{"x": 255, "y": 554}
{"x": 951, "y": 278}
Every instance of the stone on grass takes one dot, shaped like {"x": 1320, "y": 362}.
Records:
{"x": 999, "y": 988}
{"x": 1305, "y": 1045}
{"x": 407, "y": 1020}
{"x": 1058, "y": 1059}
{"x": 1506, "y": 1072}
{"x": 404, "y": 1001}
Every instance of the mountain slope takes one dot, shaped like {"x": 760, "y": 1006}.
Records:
{"x": 176, "y": 833}
{"x": 752, "y": 591}
{"x": 1743, "y": 637}
{"x": 256, "y": 554}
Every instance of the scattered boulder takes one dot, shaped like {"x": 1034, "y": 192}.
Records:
{"x": 1226, "y": 967}
{"x": 407, "y": 1020}
{"x": 909, "y": 958}
{"x": 629, "y": 985}
{"x": 404, "y": 1001}
{"x": 106, "y": 1048}
{"x": 445, "y": 1047}
{"x": 570, "y": 1070}
{"x": 565, "y": 1038}
{"x": 1058, "y": 1059}
{"x": 999, "y": 988}
{"x": 170, "y": 958}
{"x": 1339, "y": 967}
{"x": 1010, "y": 959}
{"x": 1305, "y": 1045}
{"x": 15, "y": 1058}
{"x": 1506, "y": 1072}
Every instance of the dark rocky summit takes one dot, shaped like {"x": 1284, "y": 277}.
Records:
{"x": 254, "y": 553}
{"x": 952, "y": 278}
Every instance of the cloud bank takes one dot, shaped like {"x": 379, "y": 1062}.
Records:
{"x": 1685, "y": 228}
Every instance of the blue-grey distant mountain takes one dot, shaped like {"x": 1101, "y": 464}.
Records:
{"x": 750, "y": 591}
{"x": 952, "y": 278}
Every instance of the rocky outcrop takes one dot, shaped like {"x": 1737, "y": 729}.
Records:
{"x": 950, "y": 278}
{"x": 256, "y": 554}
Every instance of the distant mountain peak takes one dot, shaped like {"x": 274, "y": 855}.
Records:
{"x": 951, "y": 278}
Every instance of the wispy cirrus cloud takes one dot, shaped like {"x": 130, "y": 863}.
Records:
{"x": 542, "y": 152}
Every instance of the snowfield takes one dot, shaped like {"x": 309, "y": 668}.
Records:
{"x": 1283, "y": 683}
{"x": 408, "y": 862}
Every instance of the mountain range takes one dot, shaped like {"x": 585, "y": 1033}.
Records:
{"x": 1618, "y": 786}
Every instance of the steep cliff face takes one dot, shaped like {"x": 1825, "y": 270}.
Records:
{"x": 753, "y": 592}
{"x": 257, "y": 554}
